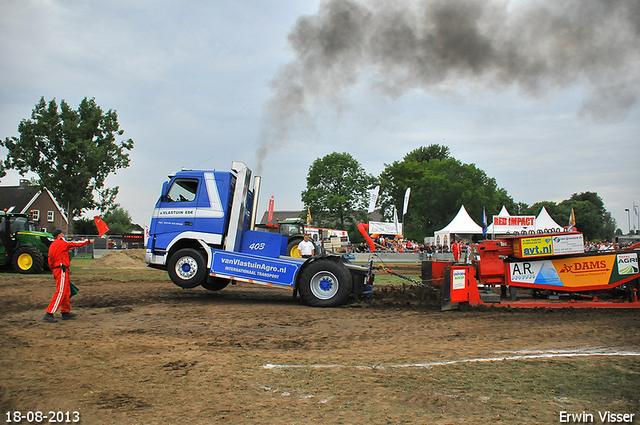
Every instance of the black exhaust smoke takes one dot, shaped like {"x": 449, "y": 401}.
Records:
{"x": 396, "y": 47}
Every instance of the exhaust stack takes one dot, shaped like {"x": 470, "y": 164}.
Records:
{"x": 257, "y": 180}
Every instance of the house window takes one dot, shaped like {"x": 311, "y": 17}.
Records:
{"x": 50, "y": 216}
{"x": 35, "y": 215}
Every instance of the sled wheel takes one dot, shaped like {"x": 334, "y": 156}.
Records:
{"x": 27, "y": 260}
{"x": 215, "y": 283}
{"x": 187, "y": 268}
{"x": 325, "y": 283}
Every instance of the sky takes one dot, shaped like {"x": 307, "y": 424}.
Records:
{"x": 543, "y": 97}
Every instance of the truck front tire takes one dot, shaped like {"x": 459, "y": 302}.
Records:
{"x": 187, "y": 268}
{"x": 27, "y": 260}
{"x": 325, "y": 283}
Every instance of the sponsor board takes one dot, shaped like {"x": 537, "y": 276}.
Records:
{"x": 535, "y": 272}
{"x": 276, "y": 271}
{"x": 512, "y": 223}
{"x": 536, "y": 246}
{"x": 583, "y": 272}
{"x": 458, "y": 279}
{"x": 546, "y": 246}
{"x": 568, "y": 244}
{"x": 628, "y": 264}
{"x": 586, "y": 271}
{"x": 381, "y": 228}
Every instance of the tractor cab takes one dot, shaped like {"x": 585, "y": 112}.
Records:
{"x": 21, "y": 245}
{"x": 292, "y": 228}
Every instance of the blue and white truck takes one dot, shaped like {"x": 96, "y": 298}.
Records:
{"x": 203, "y": 233}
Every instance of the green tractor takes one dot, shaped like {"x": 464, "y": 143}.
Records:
{"x": 21, "y": 246}
{"x": 293, "y": 229}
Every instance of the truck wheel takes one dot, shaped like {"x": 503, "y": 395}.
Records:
{"x": 215, "y": 283}
{"x": 187, "y": 268}
{"x": 325, "y": 283}
{"x": 27, "y": 260}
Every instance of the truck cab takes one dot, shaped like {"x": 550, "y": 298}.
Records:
{"x": 202, "y": 233}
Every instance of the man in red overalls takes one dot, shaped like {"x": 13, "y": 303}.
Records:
{"x": 455, "y": 249}
{"x": 59, "y": 263}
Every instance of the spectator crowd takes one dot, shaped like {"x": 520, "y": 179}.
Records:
{"x": 401, "y": 245}
{"x": 426, "y": 250}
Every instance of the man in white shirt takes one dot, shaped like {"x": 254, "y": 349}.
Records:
{"x": 306, "y": 247}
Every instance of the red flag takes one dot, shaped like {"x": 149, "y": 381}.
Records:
{"x": 101, "y": 225}
{"x": 270, "y": 213}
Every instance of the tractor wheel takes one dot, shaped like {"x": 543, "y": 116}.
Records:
{"x": 187, "y": 268}
{"x": 27, "y": 260}
{"x": 294, "y": 251}
{"x": 325, "y": 283}
{"x": 292, "y": 248}
{"x": 215, "y": 283}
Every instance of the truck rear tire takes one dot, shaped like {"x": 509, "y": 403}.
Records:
{"x": 187, "y": 268}
{"x": 27, "y": 260}
{"x": 215, "y": 283}
{"x": 325, "y": 283}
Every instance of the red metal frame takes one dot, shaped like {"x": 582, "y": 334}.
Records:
{"x": 471, "y": 294}
{"x": 460, "y": 282}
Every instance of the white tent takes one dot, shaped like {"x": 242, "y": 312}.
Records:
{"x": 503, "y": 212}
{"x": 461, "y": 224}
{"x": 545, "y": 223}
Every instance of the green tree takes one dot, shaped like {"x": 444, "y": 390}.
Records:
{"x": 337, "y": 191}
{"x": 71, "y": 151}
{"x": 84, "y": 226}
{"x": 439, "y": 185}
{"x": 592, "y": 218}
{"x": 427, "y": 153}
{"x": 609, "y": 227}
{"x": 119, "y": 221}
{"x": 557, "y": 213}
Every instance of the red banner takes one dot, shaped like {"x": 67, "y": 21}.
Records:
{"x": 270, "y": 214}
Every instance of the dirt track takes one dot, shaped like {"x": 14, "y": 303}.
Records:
{"x": 143, "y": 351}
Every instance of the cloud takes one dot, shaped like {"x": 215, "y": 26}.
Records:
{"x": 398, "y": 47}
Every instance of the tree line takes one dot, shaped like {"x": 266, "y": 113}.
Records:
{"x": 338, "y": 190}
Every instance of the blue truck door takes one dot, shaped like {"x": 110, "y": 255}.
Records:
{"x": 175, "y": 213}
